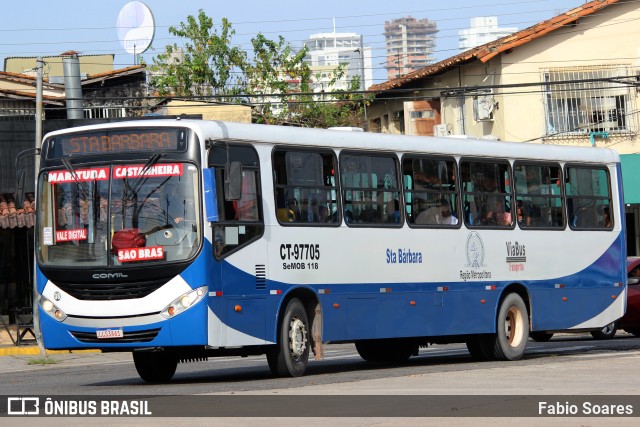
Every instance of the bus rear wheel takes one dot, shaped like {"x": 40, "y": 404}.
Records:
{"x": 156, "y": 366}
{"x": 291, "y": 355}
{"x": 512, "y": 333}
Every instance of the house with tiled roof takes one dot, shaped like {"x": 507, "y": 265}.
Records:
{"x": 572, "y": 79}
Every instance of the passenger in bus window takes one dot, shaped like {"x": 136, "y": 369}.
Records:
{"x": 323, "y": 214}
{"x": 393, "y": 211}
{"x": 293, "y": 213}
{"x": 606, "y": 217}
{"x": 104, "y": 209}
{"x": 65, "y": 214}
{"x": 370, "y": 212}
{"x": 521, "y": 217}
{"x": 84, "y": 212}
{"x": 446, "y": 217}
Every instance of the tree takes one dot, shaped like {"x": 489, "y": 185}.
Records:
{"x": 203, "y": 67}
{"x": 277, "y": 80}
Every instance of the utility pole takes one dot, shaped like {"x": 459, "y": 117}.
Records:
{"x": 362, "y": 83}
{"x": 38, "y": 142}
{"x": 36, "y": 162}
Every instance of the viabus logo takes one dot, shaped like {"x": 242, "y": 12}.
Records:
{"x": 23, "y": 406}
{"x": 109, "y": 276}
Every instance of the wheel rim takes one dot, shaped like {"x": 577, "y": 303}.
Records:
{"x": 608, "y": 329}
{"x": 297, "y": 338}
{"x": 514, "y": 326}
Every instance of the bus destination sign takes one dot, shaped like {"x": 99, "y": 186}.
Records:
{"x": 118, "y": 141}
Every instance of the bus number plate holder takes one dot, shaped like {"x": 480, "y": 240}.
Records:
{"x": 109, "y": 333}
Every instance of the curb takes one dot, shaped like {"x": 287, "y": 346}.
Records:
{"x": 35, "y": 351}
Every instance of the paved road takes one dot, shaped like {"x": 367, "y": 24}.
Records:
{"x": 568, "y": 365}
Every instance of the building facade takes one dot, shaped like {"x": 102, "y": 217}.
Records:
{"x": 410, "y": 45}
{"x": 328, "y": 50}
{"x": 484, "y": 29}
{"x": 570, "y": 80}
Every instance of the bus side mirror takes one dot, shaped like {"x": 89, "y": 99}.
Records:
{"x": 210, "y": 196}
{"x": 20, "y": 187}
{"x": 233, "y": 181}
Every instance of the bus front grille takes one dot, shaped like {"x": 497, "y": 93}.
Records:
{"x": 110, "y": 291}
{"x": 129, "y": 337}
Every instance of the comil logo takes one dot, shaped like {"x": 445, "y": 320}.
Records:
{"x": 23, "y": 406}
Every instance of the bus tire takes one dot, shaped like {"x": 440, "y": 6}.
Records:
{"x": 540, "y": 336}
{"x": 290, "y": 356}
{"x": 368, "y": 350}
{"x": 478, "y": 347}
{"x": 156, "y": 366}
{"x": 606, "y": 333}
{"x": 512, "y": 330}
{"x": 386, "y": 350}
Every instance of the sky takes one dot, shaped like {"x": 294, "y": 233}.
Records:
{"x": 89, "y": 27}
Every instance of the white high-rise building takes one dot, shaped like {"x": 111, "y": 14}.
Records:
{"x": 484, "y": 29}
{"x": 328, "y": 50}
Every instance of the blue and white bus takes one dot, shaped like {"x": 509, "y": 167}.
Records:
{"x": 179, "y": 240}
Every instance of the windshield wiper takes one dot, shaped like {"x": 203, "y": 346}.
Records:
{"x": 84, "y": 188}
{"x": 140, "y": 178}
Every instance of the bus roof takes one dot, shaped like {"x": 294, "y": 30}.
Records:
{"x": 340, "y": 139}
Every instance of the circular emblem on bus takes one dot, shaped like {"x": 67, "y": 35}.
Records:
{"x": 474, "y": 250}
{"x": 56, "y": 296}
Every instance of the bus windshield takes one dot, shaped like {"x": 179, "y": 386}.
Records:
{"x": 119, "y": 215}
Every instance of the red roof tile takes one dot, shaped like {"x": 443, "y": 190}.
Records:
{"x": 11, "y": 217}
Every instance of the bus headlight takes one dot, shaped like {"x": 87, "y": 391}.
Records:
{"x": 51, "y": 309}
{"x": 183, "y": 302}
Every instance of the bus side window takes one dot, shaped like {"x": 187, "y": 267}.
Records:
{"x": 430, "y": 189}
{"x": 588, "y": 193}
{"x": 304, "y": 186}
{"x": 538, "y": 188}
{"x": 370, "y": 188}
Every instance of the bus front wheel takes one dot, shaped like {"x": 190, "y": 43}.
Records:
{"x": 155, "y": 367}
{"x": 291, "y": 355}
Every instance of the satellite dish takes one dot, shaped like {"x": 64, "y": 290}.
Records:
{"x": 135, "y": 27}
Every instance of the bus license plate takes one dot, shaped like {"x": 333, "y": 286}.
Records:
{"x": 109, "y": 333}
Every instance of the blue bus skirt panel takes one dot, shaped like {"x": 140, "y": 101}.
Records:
{"x": 379, "y": 310}
{"x": 363, "y": 311}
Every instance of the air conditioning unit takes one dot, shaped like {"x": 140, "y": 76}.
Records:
{"x": 440, "y": 130}
{"x": 483, "y": 106}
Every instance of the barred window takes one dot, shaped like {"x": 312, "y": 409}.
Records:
{"x": 581, "y": 100}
